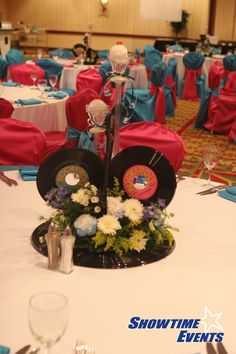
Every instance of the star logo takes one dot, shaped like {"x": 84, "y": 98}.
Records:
{"x": 210, "y": 320}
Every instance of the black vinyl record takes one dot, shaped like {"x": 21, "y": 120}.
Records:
{"x": 71, "y": 168}
{"x": 144, "y": 173}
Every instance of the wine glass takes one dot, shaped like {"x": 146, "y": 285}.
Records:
{"x": 42, "y": 83}
{"x": 48, "y": 318}
{"x": 211, "y": 155}
{"x": 34, "y": 78}
{"x": 53, "y": 81}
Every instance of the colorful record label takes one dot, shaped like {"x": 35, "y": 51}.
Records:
{"x": 140, "y": 182}
{"x": 72, "y": 176}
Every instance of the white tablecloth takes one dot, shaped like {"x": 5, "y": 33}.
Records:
{"x": 49, "y": 116}
{"x": 200, "y": 272}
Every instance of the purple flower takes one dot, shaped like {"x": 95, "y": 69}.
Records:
{"x": 161, "y": 203}
{"x": 56, "y": 196}
{"x": 148, "y": 213}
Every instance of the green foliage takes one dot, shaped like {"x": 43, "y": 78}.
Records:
{"x": 178, "y": 27}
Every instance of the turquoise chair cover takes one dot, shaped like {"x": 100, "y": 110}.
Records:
{"x": 137, "y": 53}
{"x": 85, "y": 139}
{"x": 203, "y": 110}
{"x": 229, "y": 62}
{"x": 50, "y": 67}
{"x": 151, "y": 56}
{"x": 170, "y": 91}
{"x": 14, "y": 56}
{"x": 105, "y": 69}
{"x": 145, "y": 103}
{"x": 176, "y": 48}
{"x": 103, "y": 54}
{"x": 194, "y": 61}
{"x": 62, "y": 53}
{"x": 3, "y": 68}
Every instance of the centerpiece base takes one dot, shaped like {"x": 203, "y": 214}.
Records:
{"x": 105, "y": 260}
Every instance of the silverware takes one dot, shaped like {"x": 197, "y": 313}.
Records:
{"x": 80, "y": 347}
{"x": 7, "y": 180}
{"x": 23, "y": 350}
{"x": 34, "y": 350}
{"x": 212, "y": 189}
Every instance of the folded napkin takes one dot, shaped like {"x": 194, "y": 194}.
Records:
{"x": 58, "y": 95}
{"x": 68, "y": 91}
{"x": 28, "y": 175}
{"x": 9, "y": 83}
{"x": 4, "y": 350}
{"x": 28, "y": 101}
{"x": 228, "y": 193}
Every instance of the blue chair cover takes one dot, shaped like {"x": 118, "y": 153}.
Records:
{"x": 3, "y": 69}
{"x": 203, "y": 110}
{"x": 194, "y": 61}
{"x": 85, "y": 140}
{"x": 50, "y": 67}
{"x": 106, "y": 68}
{"x": 176, "y": 48}
{"x": 62, "y": 53}
{"x": 151, "y": 56}
{"x": 103, "y": 53}
{"x": 144, "y": 109}
{"x": 171, "y": 71}
{"x": 14, "y": 56}
{"x": 229, "y": 62}
{"x": 137, "y": 53}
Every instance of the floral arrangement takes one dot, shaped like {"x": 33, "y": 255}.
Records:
{"x": 127, "y": 225}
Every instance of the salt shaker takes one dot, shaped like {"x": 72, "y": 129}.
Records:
{"x": 53, "y": 247}
{"x": 67, "y": 245}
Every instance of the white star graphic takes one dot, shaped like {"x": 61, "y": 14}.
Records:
{"x": 211, "y": 320}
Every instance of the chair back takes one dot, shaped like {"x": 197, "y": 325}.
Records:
{"x": 193, "y": 60}
{"x": 176, "y": 48}
{"x": 103, "y": 54}
{"x": 158, "y": 74}
{"x": 229, "y": 62}
{"x": 3, "y": 69}
{"x": 22, "y": 73}
{"x": 22, "y": 143}
{"x": 76, "y": 114}
{"x": 50, "y": 67}
{"x": 104, "y": 69}
{"x": 231, "y": 81}
{"x": 215, "y": 74}
{"x": 62, "y": 53}
{"x": 151, "y": 56}
{"x": 15, "y": 56}
{"x": 89, "y": 78}
{"x": 6, "y": 108}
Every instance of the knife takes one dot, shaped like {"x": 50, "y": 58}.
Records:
{"x": 23, "y": 350}
{"x": 213, "y": 189}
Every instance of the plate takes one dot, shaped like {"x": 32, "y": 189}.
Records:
{"x": 106, "y": 260}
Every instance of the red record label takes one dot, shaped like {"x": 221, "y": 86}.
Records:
{"x": 140, "y": 182}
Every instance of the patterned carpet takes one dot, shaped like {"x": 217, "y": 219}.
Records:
{"x": 195, "y": 139}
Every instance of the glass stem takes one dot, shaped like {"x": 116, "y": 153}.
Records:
{"x": 209, "y": 176}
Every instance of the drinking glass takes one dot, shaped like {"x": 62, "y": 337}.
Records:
{"x": 42, "y": 83}
{"x": 34, "y": 79}
{"x": 211, "y": 155}
{"x": 48, "y": 318}
{"x": 53, "y": 81}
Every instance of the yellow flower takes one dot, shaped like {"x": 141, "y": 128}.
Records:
{"x": 138, "y": 240}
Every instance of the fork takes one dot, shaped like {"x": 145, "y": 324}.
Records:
{"x": 81, "y": 347}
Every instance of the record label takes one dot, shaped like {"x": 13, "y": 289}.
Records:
{"x": 140, "y": 182}
{"x": 71, "y": 175}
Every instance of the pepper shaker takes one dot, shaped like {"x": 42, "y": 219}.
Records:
{"x": 53, "y": 247}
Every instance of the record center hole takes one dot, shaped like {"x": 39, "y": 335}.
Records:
{"x": 72, "y": 179}
{"x": 140, "y": 182}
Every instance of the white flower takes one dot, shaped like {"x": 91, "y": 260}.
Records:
{"x": 80, "y": 197}
{"x": 133, "y": 209}
{"x": 115, "y": 206}
{"x": 85, "y": 225}
{"x": 97, "y": 209}
{"x": 138, "y": 240}
{"x": 93, "y": 189}
{"x": 108, "y": 224}
{"x": 94, "y": 199}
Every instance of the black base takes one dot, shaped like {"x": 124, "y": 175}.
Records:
{"x": 106, "y": 260}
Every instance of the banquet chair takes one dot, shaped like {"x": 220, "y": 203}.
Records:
{"x": 149, "y": 104}
{"x": 77, "y": 118}
{"x": 137, "y": 54}
{"x": 232, "y": 132}
{"x": 50, "y": 67}
{"x": 215, "y": 75}
{"x": 89, "y": 78}
{"x": 21, "y": 73}
{"x": 6, "y": 108}
{"x": 14, "y": 56}
{"x": 177, "y": 48}
{"x": 156, "y": 136}
{"x": 170, "y": 87}
{"x": 193, "y": 84}
{"x": 229, "y": 62}
{"x": 151, "y": 57}
{"x": 103, "y": 54}
{"x": 3, "y": 69}
{"x": 62, "y": 53}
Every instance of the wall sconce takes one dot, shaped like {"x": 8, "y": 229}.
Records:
{"x": 104, "y": 7}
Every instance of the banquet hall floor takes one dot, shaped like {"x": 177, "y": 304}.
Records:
{"x": 195, "y": 139}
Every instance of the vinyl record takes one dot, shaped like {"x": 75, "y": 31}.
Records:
{"x": 71, "y": 168}
{"x": 144, "y": 174}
